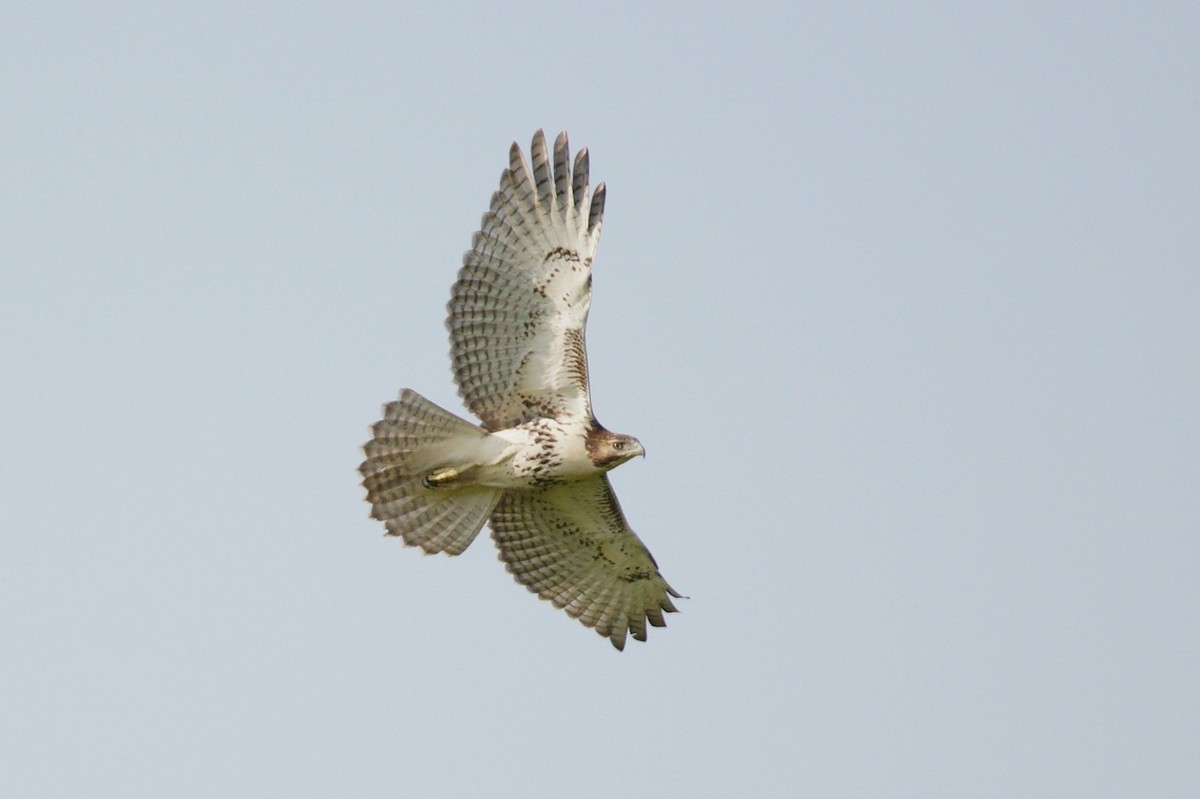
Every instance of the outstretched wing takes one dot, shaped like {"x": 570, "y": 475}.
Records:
{"x": 520, "y": 304}
{"x": 570, "y": 544}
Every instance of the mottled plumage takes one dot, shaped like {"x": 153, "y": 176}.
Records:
{"x": 537, "y": 467}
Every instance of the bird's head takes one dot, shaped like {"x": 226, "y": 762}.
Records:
{"x": 609, "y": 450}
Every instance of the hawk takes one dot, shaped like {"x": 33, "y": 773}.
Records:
{"x": 535, "y": 470}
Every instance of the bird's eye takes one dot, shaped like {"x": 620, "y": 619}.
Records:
{"x": 618, "y": 445}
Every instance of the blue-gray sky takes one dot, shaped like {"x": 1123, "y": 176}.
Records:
{"x": 902, "y": 300}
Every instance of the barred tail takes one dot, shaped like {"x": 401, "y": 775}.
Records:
{"x": 409, "y": 484}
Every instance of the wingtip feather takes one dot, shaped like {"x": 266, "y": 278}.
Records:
{"x": 596, "y": 212}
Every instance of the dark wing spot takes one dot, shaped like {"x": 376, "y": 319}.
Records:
{"x": 564, "y": 254}
{"x": 575, "y": 356}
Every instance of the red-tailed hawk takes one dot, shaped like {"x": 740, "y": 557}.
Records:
{"x": 536, "y": 468}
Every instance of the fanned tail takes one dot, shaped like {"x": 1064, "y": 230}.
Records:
{"x": 408, "y": 483}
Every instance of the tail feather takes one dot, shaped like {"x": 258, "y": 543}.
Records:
{"x": 413, "y": 437}
{"x": 413, "y": 432}
{"x": 438, "y": 520}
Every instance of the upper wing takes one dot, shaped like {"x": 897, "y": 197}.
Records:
{"x": 569, "y": 543}
{"x": 518, "y": 309}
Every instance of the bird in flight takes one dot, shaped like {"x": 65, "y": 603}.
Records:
{"x": 536, "y": 470}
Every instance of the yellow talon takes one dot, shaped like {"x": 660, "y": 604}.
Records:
{"x": 440, "y": 477}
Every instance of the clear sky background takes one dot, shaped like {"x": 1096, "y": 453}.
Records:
{"x": 902, "y": 300}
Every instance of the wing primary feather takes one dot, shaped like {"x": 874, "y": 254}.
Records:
{"x": 562, "y": 175}
{"x": 543, "y": 179}
{"x": 579, "y": 181}
{"x": 519, "y": 182}
{"x": 596, "y": 212}
{"x": 637, "y": 626}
